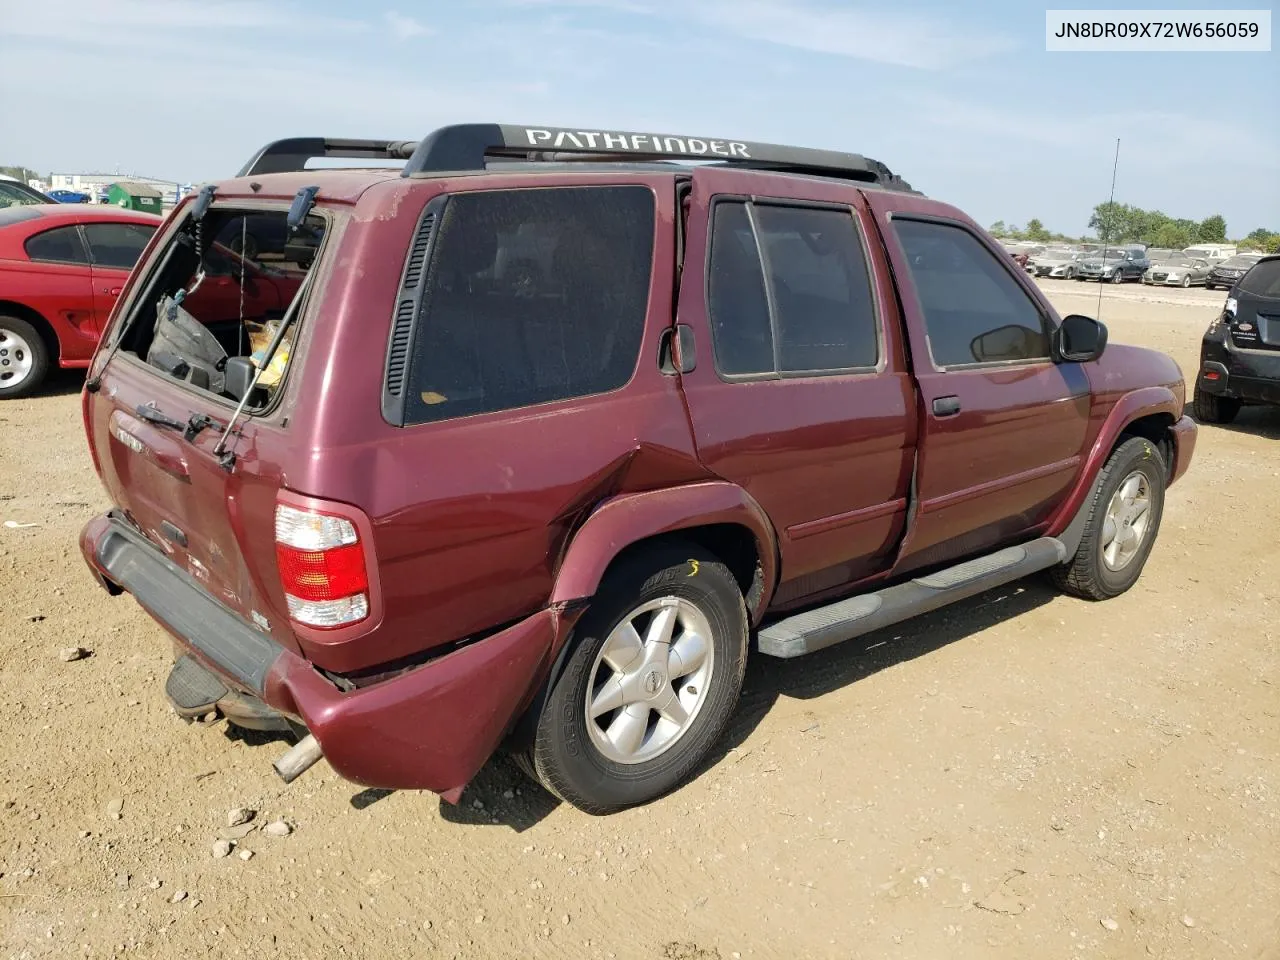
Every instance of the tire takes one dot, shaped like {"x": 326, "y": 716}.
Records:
{"x": 246, "y": 247}
{"x": 1071, "y": 274}
{"x": 1186, "y": 282}
{"x": 1209, "y": 286}
{"x": 1117, "y": 277}
{"x": 1213, "y": 409}
{"x": 1097, "y": 572}
{"x": 24, "y": 358}
{"x": 598, "y": 773}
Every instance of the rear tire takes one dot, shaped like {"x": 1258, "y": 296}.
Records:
{"x": 1209, "y": 408}
{"x": 24, "y": 358}
{"x": 1123, "y": 523}
{"x": 603, "y": 749}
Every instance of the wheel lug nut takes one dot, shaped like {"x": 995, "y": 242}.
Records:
{"x": 691, "y": 690}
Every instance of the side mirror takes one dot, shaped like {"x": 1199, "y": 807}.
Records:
{"x": 1080, "y": 339}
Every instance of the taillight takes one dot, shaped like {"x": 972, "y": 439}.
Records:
{"x": 322, "y": 566}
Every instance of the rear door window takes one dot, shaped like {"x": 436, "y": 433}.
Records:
{"x": 974, "y": 310}
{"x": 789, "y": 291}
{"x": 532, "y": 296}
{"x": 117, "y": 245}
{"x": 59, "y": 245}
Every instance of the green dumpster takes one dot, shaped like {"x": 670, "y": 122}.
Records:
{"x": 136, "y": 196}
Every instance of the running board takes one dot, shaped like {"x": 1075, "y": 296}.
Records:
{"x": 846, "y": 619}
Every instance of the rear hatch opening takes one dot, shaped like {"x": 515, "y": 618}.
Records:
{"x": 184, "y": 402}
{"x": 220, "y": 291}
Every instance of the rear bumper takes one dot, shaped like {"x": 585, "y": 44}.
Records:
{"x": 1228, "y": 371}
{"x": 428, "y": 727}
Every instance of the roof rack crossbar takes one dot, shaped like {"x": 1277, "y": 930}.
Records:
{"x": 286, "y": 156}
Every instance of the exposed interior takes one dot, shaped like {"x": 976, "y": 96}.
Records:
{"x": 223, "y": 291}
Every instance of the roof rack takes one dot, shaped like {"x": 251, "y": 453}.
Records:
{"x": 469, "y": 146}
{"x": 286, "y": 156}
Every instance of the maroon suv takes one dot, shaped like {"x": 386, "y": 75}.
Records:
{"x": 555, "y": 426}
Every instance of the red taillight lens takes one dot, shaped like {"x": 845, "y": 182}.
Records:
{"x": 322, "y": 574}
{"x": 322, "y": 568}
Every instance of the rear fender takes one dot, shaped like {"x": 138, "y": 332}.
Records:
{"x": 626, "y": 520}
{"x": 1140, "y": 403}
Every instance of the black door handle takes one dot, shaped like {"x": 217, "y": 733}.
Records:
{"x": 946, "y": 406}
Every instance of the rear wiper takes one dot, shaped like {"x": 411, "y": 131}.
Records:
{"x": 149, "y": 413}
{"x": 190, "y": 429}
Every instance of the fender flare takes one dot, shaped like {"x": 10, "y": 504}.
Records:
{"x": 1132, "y": 406}
{"x": 627, "y": 519}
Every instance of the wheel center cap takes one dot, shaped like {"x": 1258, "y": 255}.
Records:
{"x": 653, "y": 681}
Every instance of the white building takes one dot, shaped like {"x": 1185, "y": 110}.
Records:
{"x": 95, "y": 184}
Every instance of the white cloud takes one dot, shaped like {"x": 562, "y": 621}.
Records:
{"x": 404, "y": 28}
{"x": 108, "y": 24}
{"x": 876, "y": 33}
{"x": 880, "y": 34}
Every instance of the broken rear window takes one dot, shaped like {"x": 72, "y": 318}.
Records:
{"x": 223, "y": 289}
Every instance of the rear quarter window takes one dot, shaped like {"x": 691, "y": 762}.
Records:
{"x": 532, "y": 296}
{"x": 59, "y": 245}
{"x": 1263, "y": 280}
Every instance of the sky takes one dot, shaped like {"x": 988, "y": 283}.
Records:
{"x": 960, "y": 99}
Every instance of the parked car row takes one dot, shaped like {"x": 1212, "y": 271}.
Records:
{"x": 1196, "y": 265}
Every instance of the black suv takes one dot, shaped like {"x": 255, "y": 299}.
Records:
{"x": 1240, "y": 353}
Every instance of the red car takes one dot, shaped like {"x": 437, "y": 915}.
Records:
{"x": 554, "y": 447}
{"x": 62, "y": 267}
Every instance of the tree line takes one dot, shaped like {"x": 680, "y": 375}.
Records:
{"x": 1122, "y": 223}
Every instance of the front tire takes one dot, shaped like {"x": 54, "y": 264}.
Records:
{"x": 1117, "y": 277}
{"x": 650, "y": 684}
{"x": 1209, "y": 408}
{"x": 1122, "y": 526}
{"x": 24, "y": 358}
{"x": 1186, "y": 282}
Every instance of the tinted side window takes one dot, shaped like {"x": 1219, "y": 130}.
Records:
{"x": 737, "y": 302}
{"x": 117, "y": 244}
{"x": 974, "y": 311}
{"x": 60, "y": 245}
{"x": 11, "y": 196}
{"x": 531, "y": 296}
{"x": 817, "y": 314}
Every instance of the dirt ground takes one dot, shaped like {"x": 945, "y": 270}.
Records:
{"x": 1023, "y": 775}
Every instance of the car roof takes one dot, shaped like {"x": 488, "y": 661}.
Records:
{"x": 54, "y": 213}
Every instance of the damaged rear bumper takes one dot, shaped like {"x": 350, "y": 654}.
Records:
{"x": 430, "y": 727}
